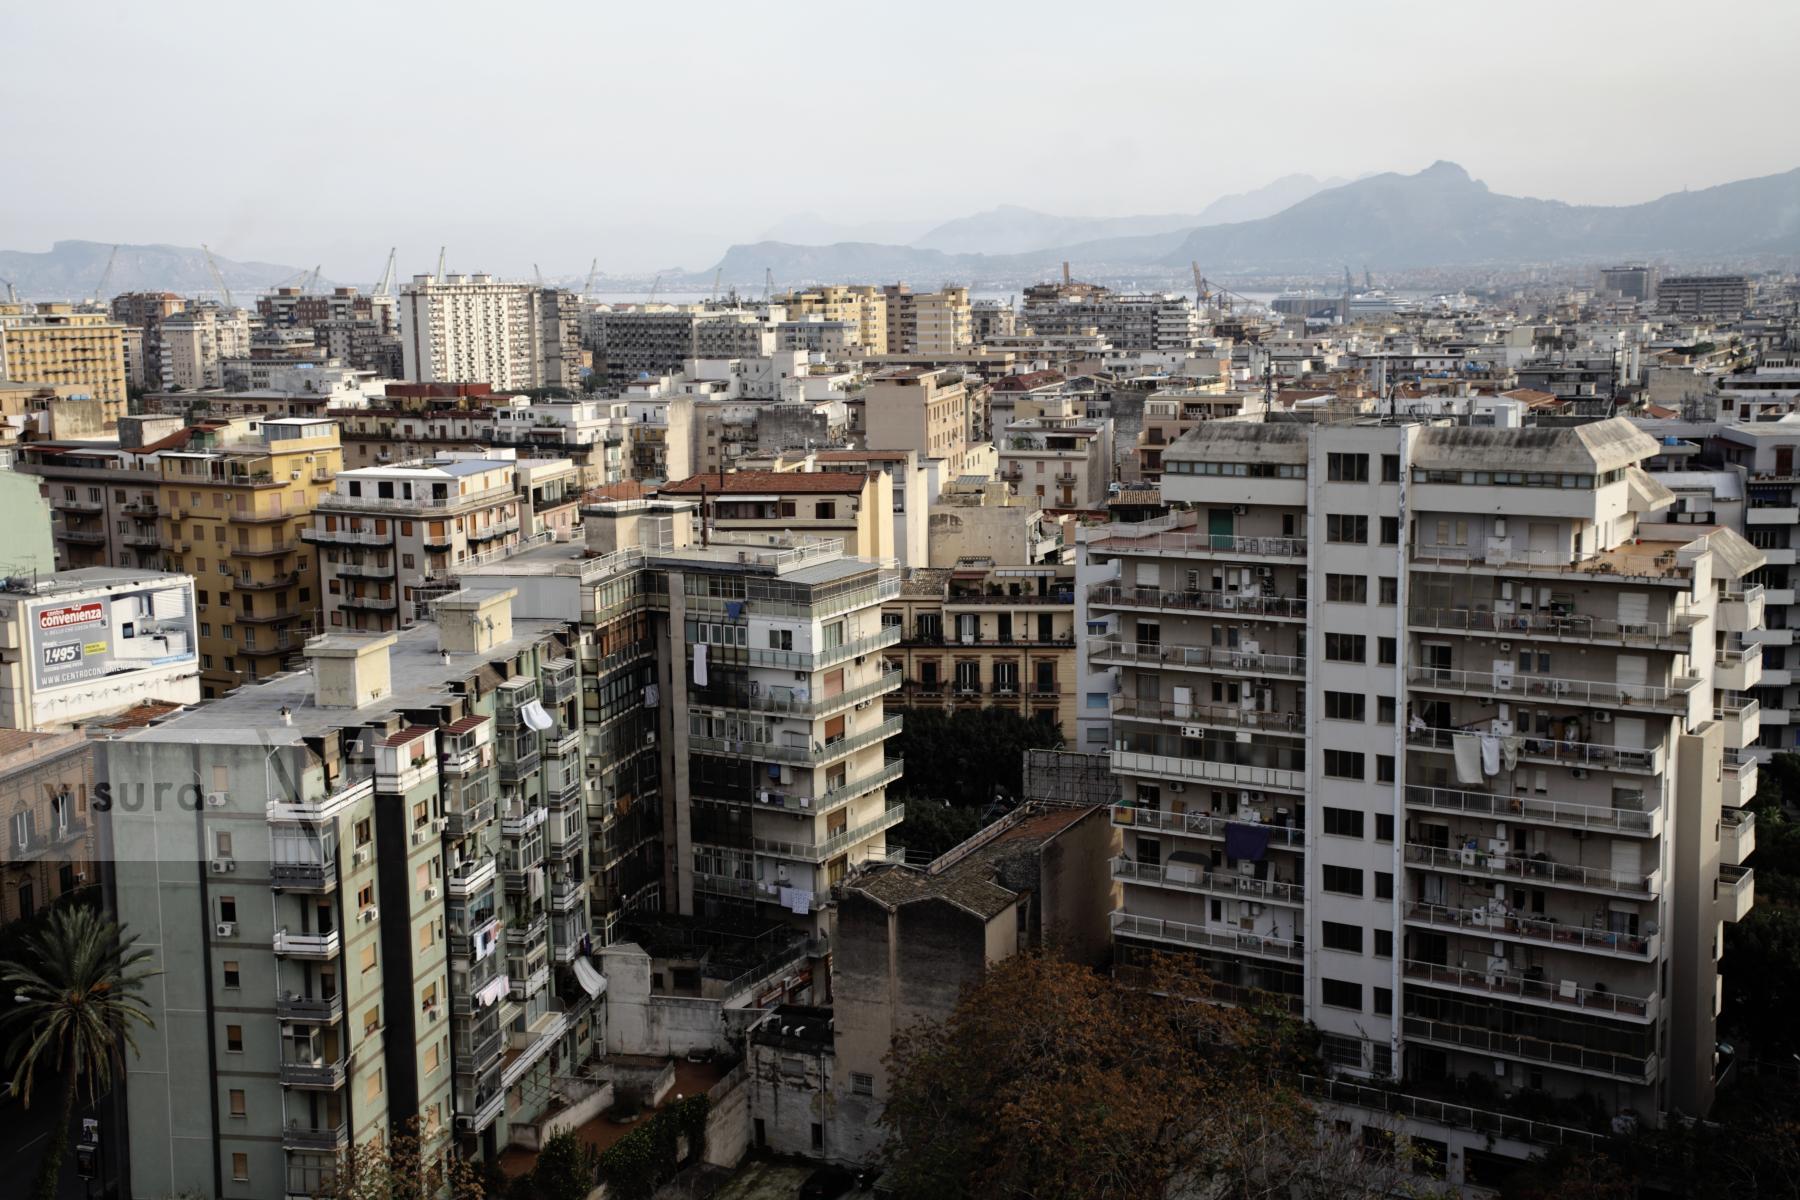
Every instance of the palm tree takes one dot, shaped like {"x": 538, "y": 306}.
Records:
{"x": 74, "y": 1009}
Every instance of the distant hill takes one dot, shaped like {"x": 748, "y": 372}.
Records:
{"x": 1010, "y": 229}
{"x": 1436, "y": 217}
{"x": 71, "y": 271}
{"x": 1264, "y": 201}
{"x": 811, "y": 229}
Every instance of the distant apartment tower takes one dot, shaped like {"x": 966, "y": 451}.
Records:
{"x": 1703, "y": 295}
{"x": 1139, "y": 322}
{"x": 382, "y": 533}
{"x": 476, "y": 329}
{"x": 1422, "y": 733}
{"x": 54, "y": 344}
{"x": 145, "y": 312}
{"x": 1634, "y": 283}
{"x": 927, "y": 323}
{"x": 654, "y": 340}
{"x": 196, "y": 343}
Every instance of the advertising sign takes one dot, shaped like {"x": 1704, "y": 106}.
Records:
{"x": 75, "y": 641}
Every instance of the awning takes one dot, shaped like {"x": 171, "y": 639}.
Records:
{"x": 535, "y": 716}
{"x": 591, "y": 981}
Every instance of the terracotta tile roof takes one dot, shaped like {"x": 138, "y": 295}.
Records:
{"x": 410, "y": 734}
{"x": 861, "y": 455}
{"x": 630, "y": 489}
{"x": 1658, "y": 411}
{"x": 1026, "y": 381}
{"x": 767, "y": 481}
{"x": 464, "y": 725}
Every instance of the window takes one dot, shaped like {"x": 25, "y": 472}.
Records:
{"x": 861, "y": 1084}
{"x": 1347, "y": 468}
{"x": 1346, "y": 647}
{"x": 1347, "y": 589}
{"x": 1341, "y": 1051}
{"x": 233, "y": 977}
{"x": 365, "y": 897}
{"x": 228, "y": 908}
{"x": 1384, "y": 827}
{"x": 1384, "y": 1002}
{"x": 781, "y": 639}
{"x": 425, "y": 937}
{"x": 833, "y": 634}
{"x": 1096, "y": 700}
{"x": 818, "y": 1136}
{"x": 432, "y": 1058}
{"x": 1390, "y": 468}
{"x": 365, "y": 833}
{"x": 1385, "y": 710}
{"x": 1344, "y": 706}
{"x": 1384, "y": 943}
{"x": 1390, "y": 590}
{"x": 1346, "y": 529}
{"x": 1340, "y": 993}
{"x": 372, "y": 1020}
{"x": 825, "y": 510}
{"x": 1387, "y": 651}
{"x": 1390, "y": 531}
{"x": 1343, "y": 822}
{"x": 1339, "y": 936}
{"x": 234, "y": 1039}
{"x": 1384, "y": 885}
{"x": 240, "y": 1166}
{"x": 236, "y": 1096}
{"x": 1384, "y": 768}
{"x": 1344, "y": 764}
{"x": 372, "y": 1091}
{"x": 1346, "y": 881}
{"x": 367, "y": 956}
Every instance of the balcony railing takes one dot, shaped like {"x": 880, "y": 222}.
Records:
{"x": 818, "y": 660}
{"x": 1230, "y": 715}
{"x": 1534, "y": 870}
{"x": 306, "y": 1137}
{"x": 1184, "y": 934}
{"x": 1535, "y": 808}
{"x": 1530, "y": 989}
{"x": 307, "y": 945}
{"x": 786, "y": 702}
{"x": 817, "y": 852}
{"x": 831, "y": 799}
{"x": 468, "y": 879}
{"x": 314, "y": 1073}
{"x": 1109, "y": 650}
{"x": 1588, "y": 692}
{"x": 1439, "y": 1112}
{"x": 814, "y": 755}
{"x": 1634, "y": 1067}
{"x": 1195, "y": 824}
{"x": 1243, "y": 775}
{"x": 1588, "y": 755}
{"x": 1107, "y": 595}
{"x": 1214, "y": 883}
{"x": 1567, "y": 626}
{"x": 1481, "y": 922}
{"x": 1223, "y": 545}
{"x": 290, "y": 1006}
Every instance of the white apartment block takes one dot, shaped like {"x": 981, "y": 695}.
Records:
{"x": 197, "y": 342}
{"x": 383, "y": 533}
{"x": 476, "y": 329}
{"x": 1421, "y": 732}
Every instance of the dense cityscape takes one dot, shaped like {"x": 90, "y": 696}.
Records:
{"x": 1285, "y": 699}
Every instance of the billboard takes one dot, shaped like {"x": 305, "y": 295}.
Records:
{"x": 78, "y": 640}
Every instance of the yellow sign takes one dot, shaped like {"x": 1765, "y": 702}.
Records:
{"x": 94, "y": 648}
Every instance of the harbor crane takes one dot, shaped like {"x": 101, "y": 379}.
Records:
{"x": 218, "y": 279}
{"x": 589, "y": 285}
{"x": 106, "y": 275}
{"x": 385, "y": 286}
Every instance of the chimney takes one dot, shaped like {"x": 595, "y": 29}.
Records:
{"x": 472, "y": 622}
{"x": 350, "y": 670}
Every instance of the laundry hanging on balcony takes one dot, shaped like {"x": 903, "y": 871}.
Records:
{"x": 797, "y": 900}
{"x": 652, "y": 694}
{"x": 591, "y": 981}
{"x": 535, "y": 717}
{"x": 495, "y": 988}
{"x": 734, "y": 609}
{"x": 700, "y": 664}
{"x": 1246, "y": 842}
{"x": 1490, "y": 754}
{"x": 1466, "y": 748}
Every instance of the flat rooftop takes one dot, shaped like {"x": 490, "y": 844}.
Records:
{"x": 252, "y": 714}
{"x": 84, "y": 578}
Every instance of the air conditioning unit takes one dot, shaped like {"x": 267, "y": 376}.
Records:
{"x": 433, "y": 892}
{"x": 1191, "y": 731}
{"x": 650, "y": 738}
{"x": 1579, "y": 773}
{"x": 1602, "y": 717}
{"x": 1265, "y": 572}
{"x": 443, "y": 824}
{"x": 1505, "y": 647}
{"x": 222, "y": 865}
{"x": 1178, "y": 787}
{"x": 1240, "y": 510}
{"x": 360, "y": 857}
{"x": 226, "y": 929}
{"x": 215, "y": 799}
{"x": 369, "y": 914}
{"x": 420, "y": 835}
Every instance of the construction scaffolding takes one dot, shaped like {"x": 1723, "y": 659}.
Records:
{"x": 1069, "y": 778}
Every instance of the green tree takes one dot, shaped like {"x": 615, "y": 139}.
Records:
{"x": 969, "y": 756}
{"x": 405, "y": 1165}
{"x": 932, "y": 827}
{"x": 565, "y": 1169}
{"x": 79, "y": 989}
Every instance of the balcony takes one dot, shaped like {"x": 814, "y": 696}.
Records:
{"x": 519, "y": 759}
{"x": 462, "y": 820}
{"x": 1463, "y": 861}
{"x": 1110, "y": 651}
{"x": 1063, "y": 598}
{"x": 272, "y": 616}
{"x": 490, "y": 531}
{"x": 1537, "y": 810}
{"x": 560, "y": 680}
{"x": 1629, "y": 1067}
{"x": 1204, "y": 545}
{"x": 369, "y": 603}
{"x": 1552, "y": 626}
{"x": 788, "y": 701}
{"x": 1735, "y": 892}
{"x": 1534, "y": 990}
{"x": 468, "y": 879}
{"x": 483, "y": 1111}
{"x": 267, "y": 549}
{"x": 1742, "y": 721}
{"x": 1483, "y": 923}
{"x": 1229, "y": 604}
{"x": 274, "y": 583}
{"x": 321, "y": 809}
{"x": 303, "y": 1137}
{"x": 1590, "y": 756}
{"x": 361, "y": 569}
{"x": 526, "y": 986}
{"x": 835, "y": 797}
{"x": 1181, "y": 933}
{"x": 83, "y": 537}
{"x": 1240, "y": 775}
{"x": 1229, "y": 716}
{"x": 801, "y": 660}
{"x": 562, "y": 743}
{"x": 831, "y": 847}
{"x": 307, "y": 945}
{"x": 1608, "y": 694}
{"x": 1195, "y": 824}
{"x": 526, "y": 934}
{"x": 1185, "y": 878}
{"x": 1737, "y": 786}
{"x": 290, "y": 1006}
{"x": 818, "y": 754}
{"x": 1739, "y": 668}
{"x": 566, "y": 894}
{"x": 725, "y": 885}
{"x": 1737, "y": 835}
{"x": 314, "y": 1073}
{"x": 1622, "y": 564}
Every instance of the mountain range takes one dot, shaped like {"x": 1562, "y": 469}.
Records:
{"x": 1436, "y": 217}
{"x": 72, "y": 270}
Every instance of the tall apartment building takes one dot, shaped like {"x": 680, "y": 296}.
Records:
{"x": 1703, "y": 295}
{"x": 1631, "y": 283}
{"x": 928, "y": 323}
{"x": 145, "y": 312}
{"x": 233, "y": 514}
{"x": 1157, "y": 322}
{"x": 931, "y": 411}
{"x": 197, "y": 342}
{"x": 634, "y": 342}
{"x": 862, "y": 310}
{"x": 105, "y": 502}
{"x": 54, "y": 344}
{"x": 1422, "y": 732}
{"x": 382, "y": 533}
{"x": 476, "y": 329}
{"x": 770, "y": 736}
{"x": 385, "y": 914}
{"x": 989, "y": 319}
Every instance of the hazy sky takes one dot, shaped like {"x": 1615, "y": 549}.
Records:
{"x": 654, "y": 134}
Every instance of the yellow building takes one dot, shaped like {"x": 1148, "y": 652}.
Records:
{"x": 232, "y": 516}
{"x": 54, "y": 344}
{"x": 979, "y": 635}
{"x": 862, "y": 308}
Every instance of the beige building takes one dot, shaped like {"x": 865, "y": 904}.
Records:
{"x": 987, "y": 636}
{"x": 46, "y": 783}
{"x": 928, "y": 322}
{"x": 197, "y": 342}
{"x": 54, "y": 344}
{"x": 986, "y": 518}
{"x": 1061, "y": 461}
{"x": 861, "y": 310}
{"x": 854, "y": 508}
{"x": 1172, "y": 412}
{"x": 476, "y": 329}
{"x": 932, "y": 411}
{"x": 382, "y": 533}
